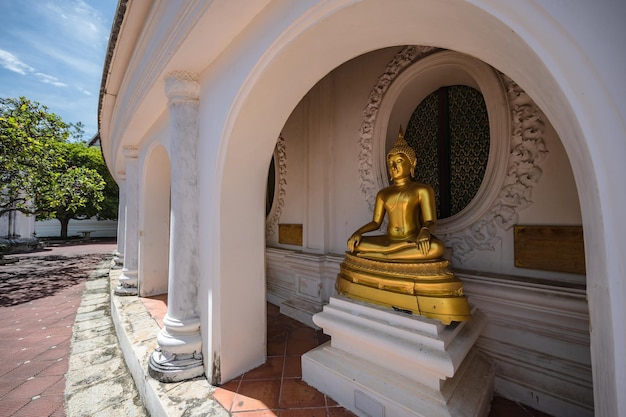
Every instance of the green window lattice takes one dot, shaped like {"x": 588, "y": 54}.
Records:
{"x": 449, "y": 131}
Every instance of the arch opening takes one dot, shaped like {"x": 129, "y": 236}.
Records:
{"x": 154, "y": 233}
{"x": 537, "y": 77}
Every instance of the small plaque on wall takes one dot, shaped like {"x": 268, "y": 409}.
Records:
{"x": 290, "y": 234}
{"x": 550, "y": 248}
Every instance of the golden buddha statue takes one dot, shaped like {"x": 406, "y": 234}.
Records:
{"x": 403, "y": 269}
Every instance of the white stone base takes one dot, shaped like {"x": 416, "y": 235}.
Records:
{"x": 128, "y": 283}
{"x": 166, "y": 367}
{"x": 384, "y": 363}
{"x": 301, "y": 310}
{"x": 121, "y": 290}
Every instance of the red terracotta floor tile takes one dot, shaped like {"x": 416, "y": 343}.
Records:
{"x": 276, "y": 345}
{"x": 225, "y": 394}
{"x": 156, "y": 306}
{"x": 298, "y": 347}
{"x": 257, "y": 413}
{"x": 272, "y": 369}
{"x": 257, "y": 395}
{"x": 297, "y": 394}
{"x": 331, "y": 403}
{"x": 304, "y": 412}
{"x": 293, "y": 367}
{"x": 342, "y": 412}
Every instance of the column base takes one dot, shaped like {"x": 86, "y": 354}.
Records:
{"x": 168, "y": 367}
{"x": 128, "y": 283}
{"x": 117, "y": 262}
{"x": 124, "y": 291}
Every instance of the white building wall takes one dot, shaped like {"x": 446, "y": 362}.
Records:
{"x": 17, "y": 224}
{"x": 98, "y": 228}
{"x": 563, "y": 56}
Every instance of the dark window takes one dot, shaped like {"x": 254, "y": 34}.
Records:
{"x": 449, "y": 131}
{"x": 271, "y": 181}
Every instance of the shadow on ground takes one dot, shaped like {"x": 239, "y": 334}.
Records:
{"x": 41, "y": 276}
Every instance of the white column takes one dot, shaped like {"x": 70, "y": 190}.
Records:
{"x": 319, "y": 155}
{"x": 118, "y": 260}
{"x": 128, "y": 279}
{"x": 179, "y": 355}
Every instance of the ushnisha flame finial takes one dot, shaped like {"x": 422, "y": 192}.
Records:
{"x": 401, "y": 146}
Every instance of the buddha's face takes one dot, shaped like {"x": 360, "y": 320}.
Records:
{"x": 399, "y": 166}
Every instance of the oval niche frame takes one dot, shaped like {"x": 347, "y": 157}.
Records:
{"x": 410, "y": 87}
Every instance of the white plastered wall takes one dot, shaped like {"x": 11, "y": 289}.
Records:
{"x": 573, "y": 73}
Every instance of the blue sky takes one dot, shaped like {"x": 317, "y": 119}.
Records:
{"x": 52, "y": 52}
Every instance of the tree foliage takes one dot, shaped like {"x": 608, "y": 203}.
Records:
{"x": 28, "y": 158}
{"x": 43, "y": 173}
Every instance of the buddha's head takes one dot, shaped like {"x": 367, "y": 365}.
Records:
{"x": 401, "y": 147}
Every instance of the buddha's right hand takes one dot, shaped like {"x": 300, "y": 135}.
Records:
{"x": 353, "y": 242}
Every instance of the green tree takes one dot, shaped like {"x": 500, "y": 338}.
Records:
{"x": 77, "y": 194}
{"x": 29, "y": 162}
{"x": 80, "y": 154}
{"x": 85, "y": 187}
{"x": 44, "y": 174}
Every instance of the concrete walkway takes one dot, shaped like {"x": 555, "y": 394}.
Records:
{"x": 98, "y": 383}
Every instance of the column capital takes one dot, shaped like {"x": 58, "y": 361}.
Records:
{"x": 130, "y": 151}
{"x": 182, "y": 85}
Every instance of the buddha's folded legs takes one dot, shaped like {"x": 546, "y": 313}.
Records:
{"x": 383, "y": 248}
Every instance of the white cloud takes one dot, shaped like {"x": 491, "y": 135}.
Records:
{"x": 79, "y": 19}
{"x": 49, "y": 79}
{"x": 13, "y": 63}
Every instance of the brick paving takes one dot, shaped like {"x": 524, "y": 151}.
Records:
{"x": 39, "y": 297}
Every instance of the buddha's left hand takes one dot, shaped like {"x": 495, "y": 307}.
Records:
{"x": 423, "y": 241}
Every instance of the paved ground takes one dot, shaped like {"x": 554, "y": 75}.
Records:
{"x": 56, "y": 302}
{"x": 39, "y": 299}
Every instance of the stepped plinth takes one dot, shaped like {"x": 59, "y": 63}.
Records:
{"x": 380, "y": 362}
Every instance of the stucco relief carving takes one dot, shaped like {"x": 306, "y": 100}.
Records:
{"x": 280, "y": 160}
{"x": 130, "y": 152}
{"x": 527, "y": 151}
{"x": 407, "y": 56}
{"x": 182, "y": 85}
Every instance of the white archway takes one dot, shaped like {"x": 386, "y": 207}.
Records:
{"x": 568, "y": 90}
{"x": 154, "y": 234}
